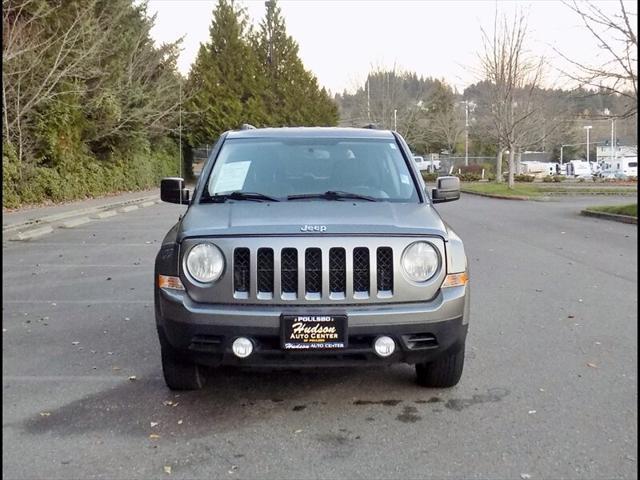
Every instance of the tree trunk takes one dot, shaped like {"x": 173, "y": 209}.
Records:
{"x": 512, "y": 157}
{"x": 499, "y": 164}
{"x": 519, "y": 162}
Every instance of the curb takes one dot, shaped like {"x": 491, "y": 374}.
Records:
{"x": 97, "y": 212}
{"x": 74, "y": 222}
{"x": 502, "y": 197}
{"x": 33, "y": 233}
{"x": 610, "y": 216}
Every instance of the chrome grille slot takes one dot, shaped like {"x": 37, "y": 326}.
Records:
{"x": 361, "y": 272}
{"x": 289, "y": 273}
{"x": 313, "y": 273}
{"x": 337, "y": 274}
{"x": 265, "y": 273}
{"x": 241, "y": 277}
{"x": 385, "y": 271}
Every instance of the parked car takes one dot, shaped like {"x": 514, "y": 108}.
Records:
{"x": 311, "y": 247}
{"x": 420, "y": 163}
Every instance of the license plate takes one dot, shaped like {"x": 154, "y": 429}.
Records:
{"x": 311, "y": 332}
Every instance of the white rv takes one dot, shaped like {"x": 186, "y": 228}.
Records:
{"x": 579, "y": 169}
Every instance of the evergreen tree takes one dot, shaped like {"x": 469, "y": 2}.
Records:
{"x": 225, "y": 82}
{"x": 293, "y": 96}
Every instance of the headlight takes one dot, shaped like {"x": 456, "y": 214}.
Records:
{"x": 205, "y": 263}
{"x": 420, "y": 261}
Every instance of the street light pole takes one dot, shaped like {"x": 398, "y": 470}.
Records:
{"x": 587, "y": 128}
{"x": 466, "y": 133}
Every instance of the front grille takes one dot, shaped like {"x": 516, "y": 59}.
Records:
{"x": 241, "y": 271}
{"x": 361, "y": 270}
{"x": 337, "y": 270}
{"x": 384, "y": 262}
{"x": 313, "y": 273}
{"x": 289, "y": 271}
{"x": 265, "y": 271}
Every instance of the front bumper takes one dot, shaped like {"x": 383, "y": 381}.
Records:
{"x": 204, "y": 332}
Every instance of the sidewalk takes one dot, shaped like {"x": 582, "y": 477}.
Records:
{"x": 43, "y": 218}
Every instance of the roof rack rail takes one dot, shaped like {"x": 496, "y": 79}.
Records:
{"x": 247, "y": 126}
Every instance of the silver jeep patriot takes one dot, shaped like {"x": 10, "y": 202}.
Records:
{"x": 311, "y": 247}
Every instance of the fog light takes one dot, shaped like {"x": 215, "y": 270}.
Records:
{"x": 384, "y": 346}
{"x": 242, "y": 347}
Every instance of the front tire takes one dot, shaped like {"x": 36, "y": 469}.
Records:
{"x": 179, "y": 373}
{"x": 444, "y": 372}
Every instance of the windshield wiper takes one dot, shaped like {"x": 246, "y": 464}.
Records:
{"x": 333, "y": 195}
{"x": 238, "y": 195}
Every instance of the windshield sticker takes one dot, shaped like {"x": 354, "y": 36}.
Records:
{"x": 392, "y": 146}
{"x": 405, "y": 179}
{"x": 231, "y": 177}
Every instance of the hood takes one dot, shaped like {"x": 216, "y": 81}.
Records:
{"x": 288, "y": 218}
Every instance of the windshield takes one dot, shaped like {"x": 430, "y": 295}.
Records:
{"x": 280, "y": 168}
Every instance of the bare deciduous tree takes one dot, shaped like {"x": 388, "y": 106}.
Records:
{"x": 447, "y": 126}
{"x": 617, "y": 39}
{"x": 514, "y": 77}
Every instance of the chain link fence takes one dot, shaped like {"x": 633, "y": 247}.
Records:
{"x": 451, "y": 164}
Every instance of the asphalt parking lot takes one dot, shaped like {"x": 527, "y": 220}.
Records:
{"x": 549, "y": 388}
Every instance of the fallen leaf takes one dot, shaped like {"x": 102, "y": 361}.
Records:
{"x": 298, "y": 431}
{"x": 133, "y": 378}
{"x": 75, "y": 343}
{"x": 154, "y": 424}
{"x": 179, "y": 422}
{"x": 571, "y": 316}
{"x": 154, "y": 436}
{"x": 115, "y": 369}
{"x": 541, "y": 389}
{"x": 167, "y": 469}
{"x": 592, "y": 365}
{"x": 525, "y": 476}
{"x": 167, "y": 402}
{"x": 44, "y": 414}
{"x": 531, "y": 412}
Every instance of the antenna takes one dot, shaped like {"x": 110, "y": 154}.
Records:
{"x": 180, "y": 136}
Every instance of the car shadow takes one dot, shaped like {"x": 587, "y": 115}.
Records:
{"x": 232, "y": 398}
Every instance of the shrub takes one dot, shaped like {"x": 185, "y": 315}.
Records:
{"x": 548, "y": 179}
{"x": 469, "y": 177}
{"x": 471, "y": 169}
{"x": 524, "y": 178}
{"x": 429, "y": 177}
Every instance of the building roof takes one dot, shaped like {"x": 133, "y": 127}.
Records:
{"x": 315, "y": 132}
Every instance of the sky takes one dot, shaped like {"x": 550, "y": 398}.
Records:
{"x": 341, "y": 41}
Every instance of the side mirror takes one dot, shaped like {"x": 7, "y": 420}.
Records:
{"x": 447, "y": 189}
{"x": 172, "y": 190}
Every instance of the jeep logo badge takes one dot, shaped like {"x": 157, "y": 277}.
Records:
{"x": 313, "y": 228}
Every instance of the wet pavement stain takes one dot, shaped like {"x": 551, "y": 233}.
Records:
{"x": 492, "y": 395}
{"x": 386, "y": 403}
{"x": 409, "y": 415}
